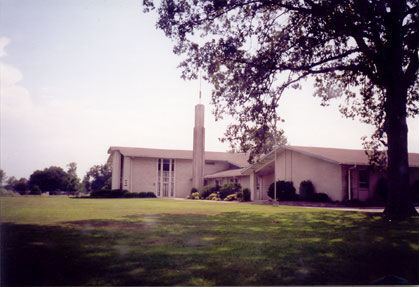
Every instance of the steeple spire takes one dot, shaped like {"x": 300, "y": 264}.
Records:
{"x": 200, "y": 93}
{"x": 198, "y": 160}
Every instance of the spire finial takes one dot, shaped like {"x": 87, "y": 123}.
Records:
{"x": 200, "y": 93}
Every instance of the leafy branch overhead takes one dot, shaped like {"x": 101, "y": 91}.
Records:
{"x": 252, "y": 50}
{"x": 365, "y": 51}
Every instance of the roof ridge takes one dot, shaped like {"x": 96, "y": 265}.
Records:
{"x": 166, "y": 149}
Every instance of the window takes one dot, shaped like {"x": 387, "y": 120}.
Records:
{"x": 364, "y": 179}
{"x": 166, "y": 177}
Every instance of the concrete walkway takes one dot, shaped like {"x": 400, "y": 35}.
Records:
{"x": 327, "y": 206}
{"x": 358, "y": 209}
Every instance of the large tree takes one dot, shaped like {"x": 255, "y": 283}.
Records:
{"x": 50, "y": 179}
{"x": 252, "y": 50}
{"x": 73, "y": 181}
{"x": 98, "y": 177}
{"x": 257, "y": 141}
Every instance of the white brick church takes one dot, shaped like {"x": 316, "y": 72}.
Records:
{"x": 340, "y": 173}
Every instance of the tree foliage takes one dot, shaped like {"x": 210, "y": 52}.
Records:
{"x": 10, "y": 182}
{"x": 21, "y": 186}
{"x": 256, "y": 141}
{"x": 2, "y": 177}
{"x": 49, "y": 180}
{"x": 18, "y": 185}
{"x": 73, "y": 181}
{"x": 365, "y": 51}
{"x": 98, "y": 177}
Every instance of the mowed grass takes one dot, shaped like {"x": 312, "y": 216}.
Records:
{"x": 63, "y": 241}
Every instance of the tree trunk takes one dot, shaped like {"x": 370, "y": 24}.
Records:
{"x": 399, "y": 200}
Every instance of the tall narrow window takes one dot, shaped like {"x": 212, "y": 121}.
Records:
{"x": 172, "y": 177}
{"x": 159, "y": 178}
{"x": 364, "y": 179}
{"x": 121, "y": 175}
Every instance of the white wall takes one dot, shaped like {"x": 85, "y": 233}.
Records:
{"x": 216, "y": 167}
{"x": 144, "y": 174}
{"x": 116, "y": 169}
{"x": 325, "y": 176}
{"x": 183, "y": 177}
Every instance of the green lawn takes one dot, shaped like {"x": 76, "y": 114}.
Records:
{"x": 63, "y": 241}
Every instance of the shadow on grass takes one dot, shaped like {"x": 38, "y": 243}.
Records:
{"x": 224, "y": 249}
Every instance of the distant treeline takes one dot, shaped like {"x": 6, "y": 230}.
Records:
{"x": 56, "y": 180}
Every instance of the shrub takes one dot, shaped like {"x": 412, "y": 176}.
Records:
{"x": 231, "y": 197}
{"x": 306, "y": 190}
{"x": 139, "y": 195}
{"x": 194, "y": 195}
{"x": 207, "y": 190}
{"x": 240, "y": 196}
{"x": 212, "y": 196}
{"x": 246, "y": 194}
{"x": 5, "y": 192}
{"x": 35, "y": 190}
{"x": 229, "y": 188}
{"x": 285, "y": 191}
{"x": 193, "y": 190}
{"x": 320, "y": 197}
{"x": 120, "y": 193}
{"x": 108, "y": 193}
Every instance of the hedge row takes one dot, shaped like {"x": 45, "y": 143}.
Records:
{"x": 285, "y": 191}
{"x": 228, "y": 192}
{"x": 120, "y": 193}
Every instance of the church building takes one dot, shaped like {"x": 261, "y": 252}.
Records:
{"x": 342, "y": 174}
{"x": 173, "y": 173}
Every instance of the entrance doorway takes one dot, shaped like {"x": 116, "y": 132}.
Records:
{"x": 166, "y": 178}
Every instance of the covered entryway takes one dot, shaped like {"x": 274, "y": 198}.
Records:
{"x": 263, "y": 177}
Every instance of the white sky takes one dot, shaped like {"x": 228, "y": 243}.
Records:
{"x": 79, "y": 76}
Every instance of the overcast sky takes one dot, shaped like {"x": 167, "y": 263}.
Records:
{"x": 80, "y": 76}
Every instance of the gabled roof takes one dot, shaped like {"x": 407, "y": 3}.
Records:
{"x": 336, "y": 155}
{"x": 226, "y": 173}
{"x": 237, "y": 159}
{"x": 333, "y": 155}
{"x": 346, "y": 156}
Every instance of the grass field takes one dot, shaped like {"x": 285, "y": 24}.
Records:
{"x": 63, "y": 241}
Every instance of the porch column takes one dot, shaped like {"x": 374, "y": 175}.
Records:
{"x": 252, "y": 186}
{"x": 116, "y": 170}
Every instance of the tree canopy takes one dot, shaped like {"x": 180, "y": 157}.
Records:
{"x": 73, "y": 181}
{"x": 49, "y": 180}
{"x": 21, "y": 185}
{"x": 256, "y": 141}
{"x": 98, "y": 177}
{"x": 252, "y": 50}
{"x": 2, "y": 177}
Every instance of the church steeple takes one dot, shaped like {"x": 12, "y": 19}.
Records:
{"x": 198, "y": 159}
